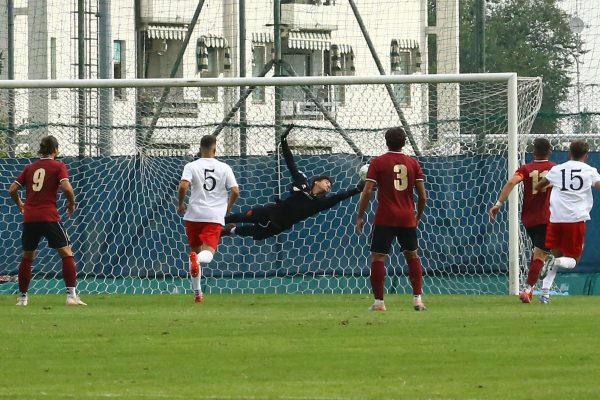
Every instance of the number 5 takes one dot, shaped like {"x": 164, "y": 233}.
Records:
{"x": 208, "y": 178}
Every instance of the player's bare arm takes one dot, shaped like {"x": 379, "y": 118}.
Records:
{"x": 181, "y": 191}
{"x": 504, "y": 193}
{"x": 14, "y": 195}
{"x": 363, "y": 202}
{"x": 70, "y": 195}
{"x": 234, "y": 193}
{"x": 542, "y": 184}
{"x": 422, "y": 199}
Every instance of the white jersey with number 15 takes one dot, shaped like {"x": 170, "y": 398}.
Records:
{"x": 210, "y": 181}
{"x": 571, "y": 198}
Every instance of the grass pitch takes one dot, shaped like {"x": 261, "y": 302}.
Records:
{"x": 298, "y": 347}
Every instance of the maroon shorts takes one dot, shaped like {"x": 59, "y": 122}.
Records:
{"x": 199, "y": 233}
{"x": 567, "y": 237}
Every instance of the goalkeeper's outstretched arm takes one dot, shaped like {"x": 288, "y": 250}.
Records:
{"x": 332, "y": 200}
{"x": 300, "y": 180}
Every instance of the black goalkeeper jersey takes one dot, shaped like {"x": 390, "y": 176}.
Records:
{"x": 302, "y": 204}
{"x": 273, "y": 218}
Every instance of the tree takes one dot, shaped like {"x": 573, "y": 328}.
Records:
{"x": 529, "y": 37}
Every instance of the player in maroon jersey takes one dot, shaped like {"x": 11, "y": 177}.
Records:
{"x": 41, "y": 180}
{"x": 535, "y": 212}
{"x": 396, "y": 176}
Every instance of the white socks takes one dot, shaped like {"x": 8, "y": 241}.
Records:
{"x": 562, "y": 262}
{"x": 71, "y": 292}
{"x": 565, "y": 262}
{"x": 205, "y": 257}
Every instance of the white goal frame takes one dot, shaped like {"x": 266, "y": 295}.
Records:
{"x": 510, "y": 79}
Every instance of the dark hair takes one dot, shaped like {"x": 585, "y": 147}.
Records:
{"x": 541, "y": 147}
{"x": 321, "y": 178}
{"x": 395, "y": 138}
{"x": 578, "y": 149}
{"x": 48, "y": 145}
{"x": 208, "y": 142}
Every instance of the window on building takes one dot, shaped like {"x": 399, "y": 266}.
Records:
{"x": 212, "y": 58}
{"x": 341, "y": 64}
{"x": 405, "y": 60}
{"x": 119, "y": 66}
{"x": 258, "y": 63}
{"x": 307, "y": 54}
{"x": 400, "y": 67}
{"x": 301, "y": 65}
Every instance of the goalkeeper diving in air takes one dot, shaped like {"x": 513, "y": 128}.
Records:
{"x": 304, "y": 201}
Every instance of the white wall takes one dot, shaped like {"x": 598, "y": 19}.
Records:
{"x": 397, "y": 19}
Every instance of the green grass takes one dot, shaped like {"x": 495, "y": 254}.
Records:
{"x": 298, "y": 347}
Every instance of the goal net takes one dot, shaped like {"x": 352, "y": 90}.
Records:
{"x": 125, "y": 143}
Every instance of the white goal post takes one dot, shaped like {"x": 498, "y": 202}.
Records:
{"x": 465, "y": 129}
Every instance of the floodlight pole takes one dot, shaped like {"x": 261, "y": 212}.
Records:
{"x": 242, "y": 55}
{"x": 105, "y": 95}
{"x": 277, "y": 48}
{"x": 10, "y": 69}
{"x": 81, "y": 100}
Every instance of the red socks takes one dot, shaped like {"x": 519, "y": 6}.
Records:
{"x": 69, "y": 271}
{"x": 378, "y": 279}
{"x": 415, "y": 273}
{"x": 24, "y": 274}
{"x": 534, "y": 271}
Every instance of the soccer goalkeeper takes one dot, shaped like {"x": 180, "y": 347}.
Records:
{"x": 304, "y": 201}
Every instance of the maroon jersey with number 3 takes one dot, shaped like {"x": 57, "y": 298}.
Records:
{"x": 41, "y": 180}
{"x": 536, "y": 205}
{"x": 395, "y": 174}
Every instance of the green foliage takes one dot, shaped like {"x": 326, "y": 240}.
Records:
{"x": 530, "y": 37}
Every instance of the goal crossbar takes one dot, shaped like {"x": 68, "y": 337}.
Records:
{"x": 258, "y": 81}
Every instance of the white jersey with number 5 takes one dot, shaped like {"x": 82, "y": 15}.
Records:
{"x": 571, "y": 198}
{"x": 210, "y": 180}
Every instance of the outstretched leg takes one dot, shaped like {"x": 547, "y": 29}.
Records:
{"x": 259, "y": 214}
{"x": 257, "y": 231}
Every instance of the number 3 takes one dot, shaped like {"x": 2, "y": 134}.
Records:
{"x": 38, "y": 179}
{"x": 401, "y": 181}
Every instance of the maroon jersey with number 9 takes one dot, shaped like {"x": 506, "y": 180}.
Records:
{"x": 41, "y": 180}
{"x": 395, "y": 174}
{"x": 536, "y": 205}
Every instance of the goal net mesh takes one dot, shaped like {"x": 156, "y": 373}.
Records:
{"x": 128, "y": 238}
